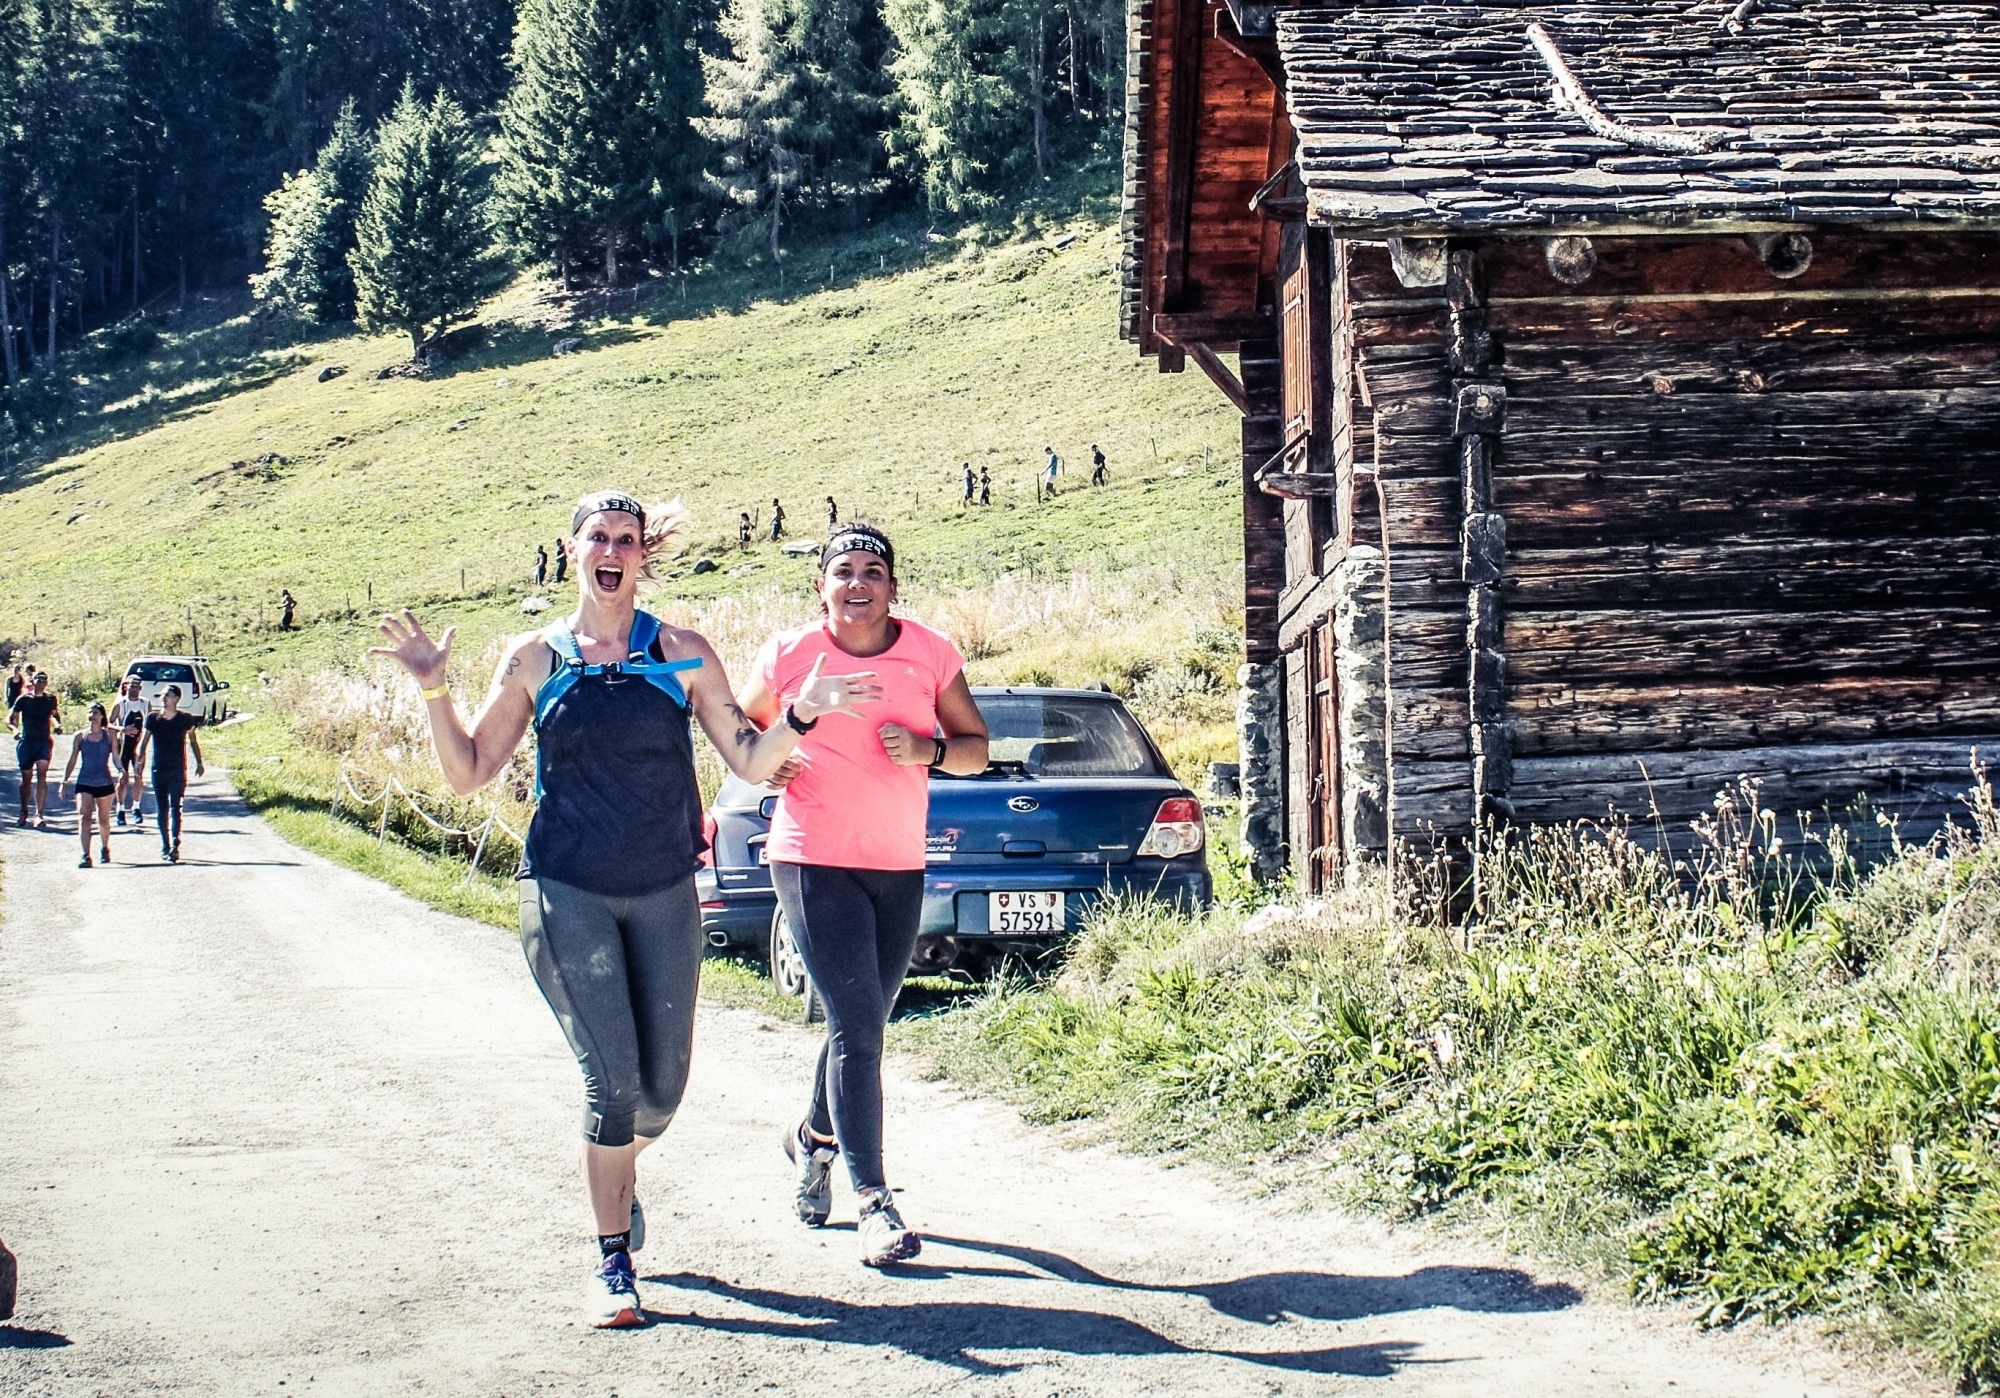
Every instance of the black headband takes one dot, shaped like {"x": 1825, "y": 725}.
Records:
{"x": 606, "y": 500}
{"x": 857, "y": 542}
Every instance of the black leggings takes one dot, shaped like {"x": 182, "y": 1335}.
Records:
{"x": 621, "y": 975}
{"x": 855, "y": 930}
{"x": 168, "y": 789}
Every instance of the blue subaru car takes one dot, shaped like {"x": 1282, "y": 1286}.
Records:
{"x": 1075, "y": 803}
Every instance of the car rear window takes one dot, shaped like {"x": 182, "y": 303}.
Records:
{"x": 1052, "y": 735}
{"x": 160, "y": 672}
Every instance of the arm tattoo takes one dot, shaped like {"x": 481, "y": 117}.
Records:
{"x": 513, "y": 663}
{"x": 746, "y": 731}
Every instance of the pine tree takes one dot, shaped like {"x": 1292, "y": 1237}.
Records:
{"x": 424, "y": 256}
{"x": 599, "y": 148}
{"x": 963, "y": 117}
{"x": 312, "y": 233}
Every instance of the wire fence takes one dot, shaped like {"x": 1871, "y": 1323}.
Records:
{"x": 392, "y": 795}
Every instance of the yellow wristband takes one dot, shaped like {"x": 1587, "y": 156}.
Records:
{"x": 440, "y": 692}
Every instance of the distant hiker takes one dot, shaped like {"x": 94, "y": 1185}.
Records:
{"x": 541, "y": 565}
{"x": 16, "y": 682}
{"x": 169, "y": 734}
{"x": 847, "y": 852}
{"x": 35, "y": 718}
{"x": 1051, "y": 471}
{"x": 832, "y": 513}
{"x": 95, "y": 750}
{"x": 288, "y": 606}
{"x": 985, "y": 487}
{"x": 743, "y": 530}
{"x": 610, "y": 919}
{"x": 128, "y": 716}
{"x": 968, "y": 484}
{"x": 1097, "y": 471}
{"x": 131, "y": 776}
{"x": 777, "y": 521}
{"x": 562, "y": 563}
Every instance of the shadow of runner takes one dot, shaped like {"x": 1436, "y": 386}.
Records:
{"x": 1271, "y": 1297}
{"x": 947, "y": 1332}
{"x": 21, "y": 1337}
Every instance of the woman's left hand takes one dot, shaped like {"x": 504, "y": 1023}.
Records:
{"x": 906, "y": 748}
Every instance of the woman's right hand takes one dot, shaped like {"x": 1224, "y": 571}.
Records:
{"x": 411, "y": 647}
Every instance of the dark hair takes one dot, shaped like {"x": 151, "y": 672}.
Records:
{"x": 172, "y": 689}
{"x": 865, "y": 537}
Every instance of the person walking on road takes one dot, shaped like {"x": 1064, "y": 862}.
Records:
{"x": 169, "y": 735}
{"x": 16, "y": 683}
{"x": 610, "y": 922}
{"x": 985, "y": 487}
{"x": 128, "y": 720}
{"x": 288, "y": 606}
{"x": 541, "y": 566}
{"x": 95, "y": 751}
{"x": 1098, "y": 473}
{"x": 777, "y": 521}
{"x": 968, "y": 484}
{"x": 562, "y": 563}
{"x": 35, "y": 718}
{"x": 846, "y": 852}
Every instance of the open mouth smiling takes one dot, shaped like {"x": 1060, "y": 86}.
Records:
{"x": 608, "y": 579}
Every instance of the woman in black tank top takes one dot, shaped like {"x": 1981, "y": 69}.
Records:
{"x": 609, "y": 920}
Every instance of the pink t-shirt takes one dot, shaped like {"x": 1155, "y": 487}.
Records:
{"x": 852, "y": 807}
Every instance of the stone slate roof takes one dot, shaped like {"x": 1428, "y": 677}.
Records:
{"x": 1434, "y": 118}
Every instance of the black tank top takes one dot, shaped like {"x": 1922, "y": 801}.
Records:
{"x": 620, "y": 813}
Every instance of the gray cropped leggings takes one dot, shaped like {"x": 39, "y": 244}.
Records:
{"x": 621, "y": 976}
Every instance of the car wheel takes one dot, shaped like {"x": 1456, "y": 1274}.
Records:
{"x": 788, "y": 970}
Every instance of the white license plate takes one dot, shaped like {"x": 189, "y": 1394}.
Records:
{"x": 1025, "y": 912}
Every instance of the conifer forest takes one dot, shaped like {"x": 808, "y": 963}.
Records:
{"x": 392, "y": 161}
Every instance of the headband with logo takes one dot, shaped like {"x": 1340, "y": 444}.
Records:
{"x": 856, "y": 542}
{"x": 606, "y": 500}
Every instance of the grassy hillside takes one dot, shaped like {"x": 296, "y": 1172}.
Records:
{"x": 232, "y": 472}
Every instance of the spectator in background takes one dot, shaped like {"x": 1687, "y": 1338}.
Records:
{"x": 541, "y": 565}
{"x": 777, "y": 521}
{"x": 743, "y": 529}
{"x": 985, "y": 487}
{"x": 562, "y": 563}
{"x": 968, "y": 483}
{"x": 1097, "y": 471}
{"x": 832, "y": 513}
{"x": 16, "y": 683}
{"x": 288, "y": 606}
{"x": 1051, "y": 471}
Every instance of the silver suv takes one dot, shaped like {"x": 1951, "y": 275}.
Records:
{"x": 202, "y": 694}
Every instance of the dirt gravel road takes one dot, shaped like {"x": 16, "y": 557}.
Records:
{"x": 269, "y": 1127}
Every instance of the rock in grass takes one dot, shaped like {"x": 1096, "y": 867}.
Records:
{"x": 798, "y": 548}
{"x": 569, "y": 346}
{"x": 532, "y": 605}
{"x": 331, "y": 372}
{"x": 10, "y": 1283}
{"x": 704, "y": 565}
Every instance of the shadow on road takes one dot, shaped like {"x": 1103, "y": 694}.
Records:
{"x": 21, "y": 1337}
{"x": 948, "y": 1332}
{"x": 1271, "y": 1297}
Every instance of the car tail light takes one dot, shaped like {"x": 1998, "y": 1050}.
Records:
{"x": 1176, "y": 829}
{"x": 708, "y": 838}
{"x": 714, "y": 905}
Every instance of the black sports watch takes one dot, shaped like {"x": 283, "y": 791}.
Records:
{"x": 797, "y": 724}
{"x": 942, "y": 750}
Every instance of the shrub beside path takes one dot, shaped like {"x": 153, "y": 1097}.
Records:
{"x": 272, "y": 1127}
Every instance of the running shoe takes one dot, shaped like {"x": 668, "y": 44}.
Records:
{"x": 885, "y": 1238}
{"x": 613, "y": 1295}
{"x": 121, "y": 817}
{"x": 139, "y": 819}
{"x": 84, "y": 863}
{"x": 177, "y": 851}
{"x": 812, "y": 1193}
{"x": 104, "y": 855}
{"x": 636, "y": 1234}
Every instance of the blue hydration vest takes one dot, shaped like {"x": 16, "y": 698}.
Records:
{"x": 639, "y": 662}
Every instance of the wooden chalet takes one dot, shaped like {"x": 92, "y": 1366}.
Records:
{"x": 1620, "y": 390}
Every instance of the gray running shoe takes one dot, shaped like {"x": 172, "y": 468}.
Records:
{"x": 812, "y": 1197}
{"x": 637, "y": 1235}
{"x": 885, "y": 1238}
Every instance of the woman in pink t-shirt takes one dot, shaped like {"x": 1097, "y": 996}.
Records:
{"x": 847, "y": 850}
